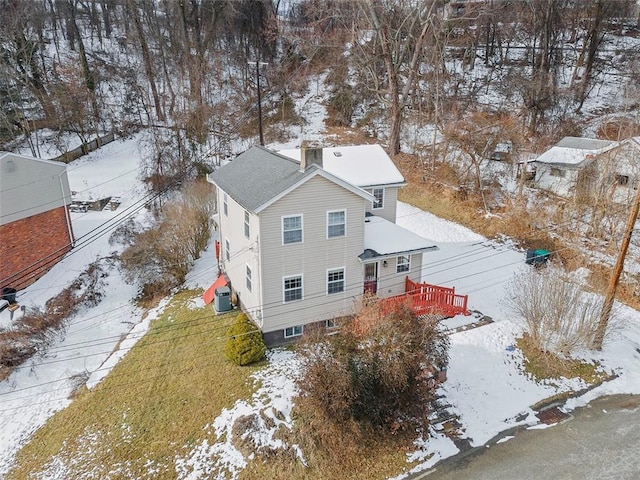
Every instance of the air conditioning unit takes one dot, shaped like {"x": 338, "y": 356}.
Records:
{"x": 222, "y": 300}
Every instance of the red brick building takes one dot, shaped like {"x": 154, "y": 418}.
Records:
{"x": 35, "y": 227}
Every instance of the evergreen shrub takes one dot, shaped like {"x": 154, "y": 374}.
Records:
{"x": 244, "y": 342}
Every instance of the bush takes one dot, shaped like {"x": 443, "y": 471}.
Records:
{"x": 376, "y": 375}
{"x": 33, "y": 331}
{"x": 560, "y": 316}
{"x": 342, "y": 105}
{"x": 244, "y": 342}
{"x": 160, "y": 258}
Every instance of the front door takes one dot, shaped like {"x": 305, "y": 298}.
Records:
{"x": 371, "y": 278}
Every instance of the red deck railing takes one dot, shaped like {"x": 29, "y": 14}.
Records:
{"x": 425, "y": 298}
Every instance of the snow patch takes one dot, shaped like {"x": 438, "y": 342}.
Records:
{"x": 261, "y": 418}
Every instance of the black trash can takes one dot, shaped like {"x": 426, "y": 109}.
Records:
{"x": 9, "y": 294}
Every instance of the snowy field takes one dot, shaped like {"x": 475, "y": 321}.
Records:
{"x": 485, "y": 386}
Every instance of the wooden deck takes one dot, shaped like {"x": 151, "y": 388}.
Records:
{"x": 432, "y": 299}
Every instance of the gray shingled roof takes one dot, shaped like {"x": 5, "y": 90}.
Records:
{"x": 580, "y": 143}
{"x": 257, "y": 176}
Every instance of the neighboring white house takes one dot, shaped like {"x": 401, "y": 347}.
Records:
{"x": 589, "y": 167}
{"x": 303, "y": 234}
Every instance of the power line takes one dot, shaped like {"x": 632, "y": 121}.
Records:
{"x": 128, "y": 337}
{"x": 180, "y": 326}
{"x": 95, "y": 233}
{"x": 190, "y": 346}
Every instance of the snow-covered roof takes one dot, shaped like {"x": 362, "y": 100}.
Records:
{"x": 360, "y": 165}
{"x": 575, "y": 150}
{"x": 383, "y": 238}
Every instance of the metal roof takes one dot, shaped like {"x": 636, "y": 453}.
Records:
{"x": 572, "y": 151}
{"x": 580, "y": 143}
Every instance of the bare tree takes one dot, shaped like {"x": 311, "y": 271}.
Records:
{"x": 599, "y": 18}
{"x": 559, "y": 314}
{"x": 392, "y": 56}
{"x": 146, "y": 57}
{"x": 475, "y": 138}
{"x": 21, "y": 49}
{"x": 89, "y": 76}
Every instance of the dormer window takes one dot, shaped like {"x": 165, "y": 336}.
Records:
{"x": 378, "y": 194}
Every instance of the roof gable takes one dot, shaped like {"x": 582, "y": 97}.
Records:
{"x": 50, "y": 165}
{"x": 259, "y": 177}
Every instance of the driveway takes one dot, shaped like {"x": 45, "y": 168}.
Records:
{"x": 600, "y": 442}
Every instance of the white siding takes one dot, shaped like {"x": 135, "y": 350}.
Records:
{"x": 562, "y": 186}
{"x": 390, "y": 204}
{"x": 598, "y": 177}
{"x": 392, "y": 283}
{"x": 313, "y": 256}
{"x": 29, "y": 186}
{"x": 624, "y": 160}
{"x": 243, "y": 252}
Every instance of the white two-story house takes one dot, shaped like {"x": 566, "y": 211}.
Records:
{"x": 305, "y": 233}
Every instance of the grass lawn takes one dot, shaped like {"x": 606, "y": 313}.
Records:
{"x": 149, "y": 409}
{"x": 381, "y": 459}
{"x": 154, "y": 405}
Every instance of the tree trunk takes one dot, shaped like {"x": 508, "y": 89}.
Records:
{"x": 392, "y": 54}
{"x": 595, "y": 40}
{"x": 89, "y": 78}
{"x": 146, "y": 57}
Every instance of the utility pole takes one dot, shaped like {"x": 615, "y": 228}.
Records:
{"x": 259, "y": 99}
{"x": 601, "y": 329}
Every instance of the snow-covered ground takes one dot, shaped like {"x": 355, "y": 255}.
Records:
{"x": 42, "y": 386}
{"x": 486, "y": 386}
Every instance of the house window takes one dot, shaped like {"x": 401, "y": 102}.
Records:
{"x": 378, "y": 193}
{"x": 293, "y": 331}
{"x": 249, "y": 285}
{"x": 292, "y": 288}
{"x": 292, "y": 229}
{"x": 225, "y": 206}
{"x": 332, "y": 323}
{"x": 227, "y": 250}
{"x": 246, "y": 224}
{"x": 335, "y": 281}
{"x": 336, "y": 224}
{"x": 622, "y": 180}
{"x": 558, "y": 172}
{"x": 403, "y": 264}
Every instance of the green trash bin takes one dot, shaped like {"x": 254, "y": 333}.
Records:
{"x": 537, "y": 257}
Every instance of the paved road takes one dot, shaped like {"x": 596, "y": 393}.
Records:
{"x": 602, "y": 441}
